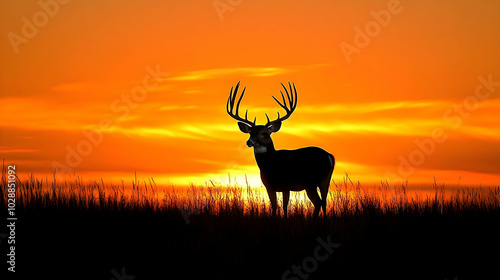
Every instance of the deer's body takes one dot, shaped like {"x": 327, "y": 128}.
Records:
{"x": 286, "y": 170}
{"x": 294, "y": 170}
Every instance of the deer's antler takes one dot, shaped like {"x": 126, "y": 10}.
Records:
{"x": 289, "y": 105}
{"x": 230, "y": 106}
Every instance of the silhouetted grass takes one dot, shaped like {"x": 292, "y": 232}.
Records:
{"x": 86, "y": 229}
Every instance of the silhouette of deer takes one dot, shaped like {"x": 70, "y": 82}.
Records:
{"x": 285, "y": 170}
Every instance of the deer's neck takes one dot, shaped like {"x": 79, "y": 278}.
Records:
{"x": 264, "y": 155}
{"x": 264, "y": 149}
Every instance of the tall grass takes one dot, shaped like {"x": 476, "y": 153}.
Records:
{"x": 344, "y": 199}
{"x": 229, "y": 231}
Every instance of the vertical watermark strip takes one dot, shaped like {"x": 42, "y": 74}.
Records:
{"x": 11, "y": 217}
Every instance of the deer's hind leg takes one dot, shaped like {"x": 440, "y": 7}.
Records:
{"x": 312, "y": 193}
{"x": 324, "y": 187}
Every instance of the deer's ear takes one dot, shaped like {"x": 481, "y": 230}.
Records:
{"x": 244, "y": 127}
{"x": 274, "y": 127}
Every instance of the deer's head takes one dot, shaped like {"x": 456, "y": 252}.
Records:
{"x": 260, "y": 135}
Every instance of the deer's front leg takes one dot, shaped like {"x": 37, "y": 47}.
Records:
{"x": 272, "y": 198}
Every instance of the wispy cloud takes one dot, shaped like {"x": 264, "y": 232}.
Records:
{"x": 83, "y": 86}
{"x": 240, "y": 71}
{"x": 370, "y": 107}
{"x": 405, "y": 127}
{"x": 196, "y": 131}
{"x": 221, "y": 72}
{"x": 8, "y": 150}
{"x": 158, "y": 132}
{"x": 176, "y": 107}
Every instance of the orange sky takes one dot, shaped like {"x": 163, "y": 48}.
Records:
{"x": 425, "y": 69}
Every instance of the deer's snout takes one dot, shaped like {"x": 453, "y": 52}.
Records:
{"x": 250, "y": 143}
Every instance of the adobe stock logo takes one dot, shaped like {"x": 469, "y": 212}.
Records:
{"x": 453, "y": 117}
{"x": 121, "y": 276}
{"x": 310, "y": 264}
{"x": 40, "y": 19}
{"x": 122, "y": 106}
{"x": 362, "y": 38}
{"x": 226, "y": 6}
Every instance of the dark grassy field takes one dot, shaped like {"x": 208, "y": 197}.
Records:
{"x": 77, "y": 230}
